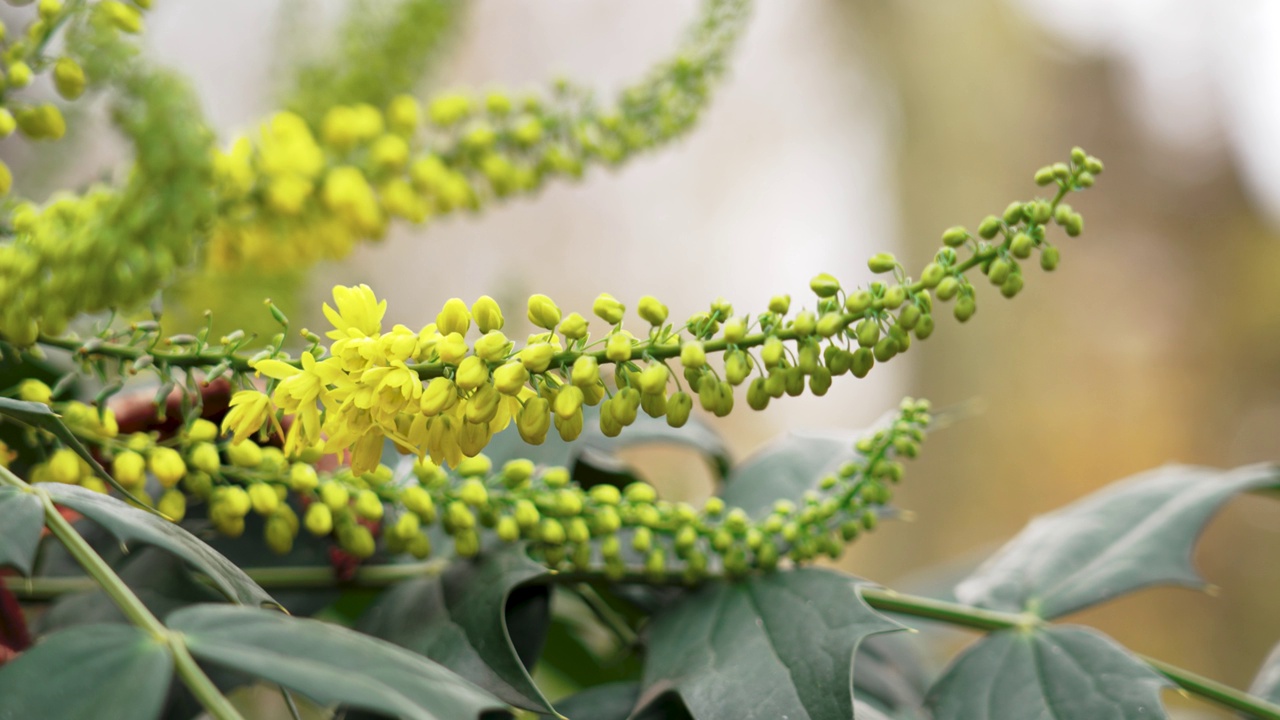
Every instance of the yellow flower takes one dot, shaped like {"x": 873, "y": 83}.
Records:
{"x": 358, "y": 309}
{"x": 299, "y": 393}
{"x": 250, "y": 410}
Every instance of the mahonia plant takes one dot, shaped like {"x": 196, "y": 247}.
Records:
{"x": 711, "y": 611}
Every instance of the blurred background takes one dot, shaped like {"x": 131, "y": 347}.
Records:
{"x": 857, "y": 126}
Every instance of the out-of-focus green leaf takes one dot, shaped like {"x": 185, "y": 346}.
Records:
{"x": 129, "y": 524}
{"x": 1132, "y": 534}
{"x": 613, "y": 701}
{"x": 21, "y": 521}
{"x": 95, "y": 672}
{"x": 785, "y": 469}
{"x": 1063, "y": 672}
{"x": 890, "y": 676}
{"x": 777, "y": 645}
{"x": 328, "y": 663}
{"x": 459, "y": 619}
{"x": 1266, "y": 683}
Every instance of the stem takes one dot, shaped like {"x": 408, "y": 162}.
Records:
{"x": 104, "y": 577}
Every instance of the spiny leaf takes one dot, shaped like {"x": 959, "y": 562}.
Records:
{"x": 95, "y": 672}
{"x": 1135, "y": 533}
{"x": 328, "y": 663}
{"x": 1063, "y": 672}
{"x": 39, "y": 415}
{"x": 21, "y": 520}
{"x": 459, "y": 620}
{"x": 132, "y": 525}
{"x": 777, "y": 645}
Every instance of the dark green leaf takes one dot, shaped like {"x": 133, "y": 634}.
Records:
{"x": 21, "y": 521}
{"x": 328, "y": 663}
{"x": 1132, "y": 534}
{"x": 132, "y": 525}
{"x": 160, "y": 579}
{"x": 889, "y": 675}
{"x": 459, "y": 620}
{"x": 777, "y": 645}
{"x": 39, "y": 415}
{"x": 603, "y": 702}
{"x": 97, "y": 672}
{"x": 1063, "y": 672}
{"x": 785, "y": 469}
{"x": 1267, "y": 682}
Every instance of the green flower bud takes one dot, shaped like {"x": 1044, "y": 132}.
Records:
{"x": 948, "y": 288}
{"x": 793, "y": 379}
{"x": 618, "y": 347}
{"x": 966, "y": 306}
{"x": 825, "y": 286}
{"x": 1049, "y": 258}
{"x": 955, "y": 236}
{"x": 924, "y": 328}
{"x": 886, "y": 349}
{"x": 820, "y": 381}
{"x": 882, "y": 263}
{"x": 652, "y": 311}
{"x": 757, "y": 396}
{"x": 863, "y": 361}
{"x": 735, "y": 329}
{"x": 868, "y": 332}
{"x": 1021, "y": 246}
{"x": 989, "y": 227}
{"x": 830, "y": 324}
{"x": 1013, "y": 213}
{"x": 999, "y": 271}
{"x": 858, "y": 302}
{"x": 1093, "y": 165}
{"x": 1012, "y": 285}
{"x": 893, "y": 297}
{"x": 607, "y": 308}
{"x": 1074, "y": 225}
{"x": 679, "y": 405}
{"x": 780, "y": 304}
{"x": 804, "y": 324}
{"x": 653, "y": 379}
{"x": 737, "y": 366}
{"x": 909, "y": 317}
{"x": 534, "y": 420}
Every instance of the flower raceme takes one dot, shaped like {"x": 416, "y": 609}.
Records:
{"x": 444, "y": 390}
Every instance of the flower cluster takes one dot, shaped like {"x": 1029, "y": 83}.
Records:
{"x": 296, "y": 191}
{"x": 442, "y": 391}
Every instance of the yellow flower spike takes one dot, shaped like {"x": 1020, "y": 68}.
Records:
{"x": 537, "y": 356}
{"x": 493, "y": 346}
{"x": 653, "y": 311}
{"x": 249, "y": 411}
{"x": 618, "y": 347}
{"x": 403, "y": 114}
{"x": 358, "y": 309}
{"x": 488, "y": 314}
{"x": 472, "y": 373}
{"x": 510, "y": 378}
{"x": 454, "y": 318}
{"x": 543, "y": 312}
{"x": 166, "y": 465}
{"x": 452, "y": 348}
{"x": 607, "y": 308}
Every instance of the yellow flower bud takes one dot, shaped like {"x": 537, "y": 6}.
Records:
{"x": 439, "y": 395}
{"x": 493, "y": 346}
{"x": 824, "y": 285}
{"x": 509, "y": 379}
{"x": 32, "y": 390}
{"x": 303, "y": 477}
{"x": 472, "y": 373}
{"x": 453, "y": 318}
{"x": 534, "y": 420}
{"x": 653, "y": 379}
{"x": 389, "y": 152}
{"x": 368, "y": 505}
{"x": 618, "y": 347}
{"x": 508, "y": 530}
{"x": 537, "y": 356}
{"x": 692, "y": 354}
{"x": 173, "y": 504}
{"x": 68, "y": 78}
{"x": 246, "y": 454}
{"x": 780, "y": 304}
{"x": 653, "y": 312}
{"x": 403, "y": 114}
{"x": 64, "y": 466}
{"x": 737, "y": 365}
{"x": 574, "y": 326}
{"x": 263, "y": 498}
{"x": 319, "y": 519}
{"x": 205, "y": 458}
{"x": 679, "y": 405}
{"x": 129, "y": 469}
{"x": 735, "y": 329}
{"x": 543, "y": 312}
{"x": 488, "y": 314}
{"x": 418, "y": 501}
{"x": 568, "y": 402}
{"x": 234, "y": 501}
{"x": 202, "y": 431}
{"x": 607, "y": 308}
{"x": 586, "y": 372}
{"x": 19, "y": 75}
{"x": 166, "y": 464}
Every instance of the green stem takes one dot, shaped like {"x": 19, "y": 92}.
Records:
{"x": 104, "y": 577}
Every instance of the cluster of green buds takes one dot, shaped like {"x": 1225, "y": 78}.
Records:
{"x": 619, "y": 532}
{"x": 299, "y": 192}
{"x": 110, "y": 246}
